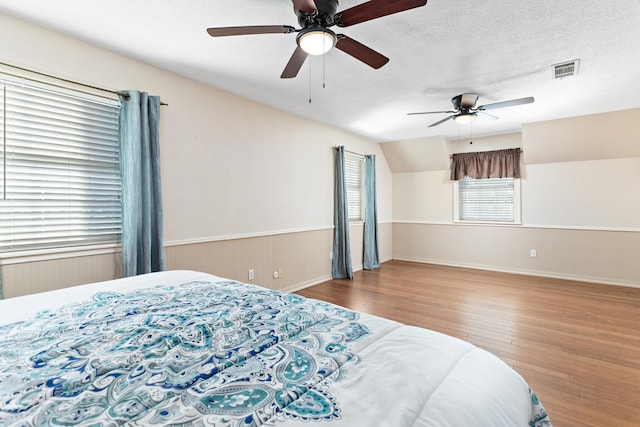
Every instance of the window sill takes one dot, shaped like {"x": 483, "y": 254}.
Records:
{"x": 486, "y": 222}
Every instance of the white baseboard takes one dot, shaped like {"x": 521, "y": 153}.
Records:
{"x": 307, "y": 284}
{"x": 534, "y": 273}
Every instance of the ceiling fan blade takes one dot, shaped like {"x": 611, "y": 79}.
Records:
{"x": 294, "y": 64}
{"x": 306, "y": 6}
{"x": 441, "y": 121}
{"x": 485, "y": 116}
{"x": 374, "y": 9}
{"x": 509, "y": 103}
{"x": 255, "y": 29}
{"x": 361, "y": 52}
{"x": 432, "y": 112}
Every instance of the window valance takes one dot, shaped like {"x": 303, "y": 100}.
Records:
{"x": 486, "y": 164}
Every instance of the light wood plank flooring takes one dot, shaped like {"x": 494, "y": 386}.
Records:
{"x": 577, "y": 344}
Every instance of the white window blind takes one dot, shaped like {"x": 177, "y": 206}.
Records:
{"x": 490, "y": 200}
{"x": 60, "y": 167}
{"x": 354, "y": 176}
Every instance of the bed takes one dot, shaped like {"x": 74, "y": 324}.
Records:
{"x": 191, "y": 349}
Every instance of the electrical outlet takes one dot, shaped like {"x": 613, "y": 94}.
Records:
{"x": 280, "y": 273}
{"x": 534, "y": 253}
{"x": 330, "y": 256}
{"x": 251, "y": 275}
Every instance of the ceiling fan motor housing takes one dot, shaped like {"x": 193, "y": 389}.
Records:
{"x": 326, "y": 9}
{"x": 465, "y": 101}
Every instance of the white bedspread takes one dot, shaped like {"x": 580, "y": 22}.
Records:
{"x": 191, "y": 348}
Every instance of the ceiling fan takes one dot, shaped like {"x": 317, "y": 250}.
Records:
{"x": 315, "y": 38}
{"x": 464, "y": 109}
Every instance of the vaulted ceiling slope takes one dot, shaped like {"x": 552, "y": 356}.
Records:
{"x": 498, "y": 49}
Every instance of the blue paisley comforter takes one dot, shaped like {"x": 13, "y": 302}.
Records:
{"x": 197, "y": 350}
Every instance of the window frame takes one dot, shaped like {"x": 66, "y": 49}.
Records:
{"x": 517, "y": 205}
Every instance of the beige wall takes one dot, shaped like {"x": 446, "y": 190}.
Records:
{"x": 231, "y": 168}
{"x": 579, "y": 211}
{"x": 592, "y": 137}
{"x": 594, "y": 193}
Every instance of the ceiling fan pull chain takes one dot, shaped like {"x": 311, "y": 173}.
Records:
{"x": 310, "y": 82}
{"x": 324, "y": 70}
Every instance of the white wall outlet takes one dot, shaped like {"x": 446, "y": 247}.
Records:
{"x": 280, "y": 273}
{"x": 275, "y": 274}
{"x": 534, "y": 253}
{"x": 251, "y": 274}
{"x": 330, "y": 256}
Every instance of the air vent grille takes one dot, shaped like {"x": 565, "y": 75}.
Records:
{"x": 566, "y": 69}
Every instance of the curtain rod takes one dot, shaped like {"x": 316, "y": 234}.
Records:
{"x": 63, "y": 80}
{"x": 451, "y": 156}
{"x": 350, "y": 152}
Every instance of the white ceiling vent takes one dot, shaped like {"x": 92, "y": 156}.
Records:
{"x": 566, "y": 69}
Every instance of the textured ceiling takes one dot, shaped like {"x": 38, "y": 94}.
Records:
{"x": 500, "y": 49}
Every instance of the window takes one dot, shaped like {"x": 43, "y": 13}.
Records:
{"x": 354, "y": 176}
{"x": 59, "y": 167}
{"x": 487, "y": 200}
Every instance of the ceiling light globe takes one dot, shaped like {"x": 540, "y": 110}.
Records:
{"x": 463, "y": 119}
{"x": 316, "y": 41}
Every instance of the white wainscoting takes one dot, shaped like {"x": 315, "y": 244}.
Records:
{"x": 301, "y": 255}
{"x": 35, "y": 274}
{"x": 608, "y": 256}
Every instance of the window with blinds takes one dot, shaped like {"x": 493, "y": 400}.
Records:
{"x": 488, "y": 200}
{"x": 354, "y": 176}
{"x": 60, "y": 167}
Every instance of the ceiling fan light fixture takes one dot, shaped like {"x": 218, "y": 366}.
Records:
{"x": 316, "y": 40}
{"x": 464, "y": 118}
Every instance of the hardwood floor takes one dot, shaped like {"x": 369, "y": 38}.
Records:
{"x": 577, "y": 344}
